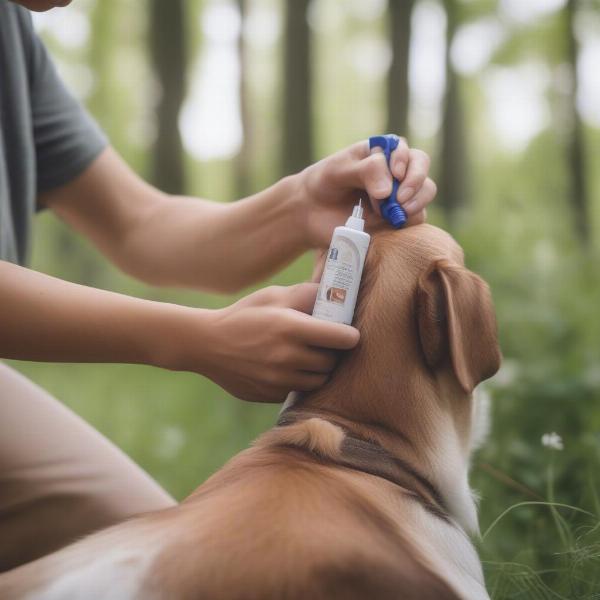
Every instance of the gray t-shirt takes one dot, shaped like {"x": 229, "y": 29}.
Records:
{"x": 46, "y": 137}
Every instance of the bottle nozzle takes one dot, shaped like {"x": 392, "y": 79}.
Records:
{"x": 357, "y": 211}
{"x": 356, "y": 221}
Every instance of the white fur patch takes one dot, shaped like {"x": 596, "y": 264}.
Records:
{"x": 113, "y": 570}
{"x": 481, "y": 419}
{"x": 454, "y": 555}
{"x": 450, "y": 474}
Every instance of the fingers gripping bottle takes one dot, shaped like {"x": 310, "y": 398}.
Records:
{"x": 338, "y": 290}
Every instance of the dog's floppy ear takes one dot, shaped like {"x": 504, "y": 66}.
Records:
{"x": 456, "y": 316}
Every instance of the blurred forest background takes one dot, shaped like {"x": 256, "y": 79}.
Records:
{"x": 219, "y": 98}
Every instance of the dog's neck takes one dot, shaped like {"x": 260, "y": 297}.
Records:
{"x": 335, "y": 441}
{"x": 433, "y": 445}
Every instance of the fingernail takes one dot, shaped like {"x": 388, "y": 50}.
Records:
{"x": 405, "y": 194}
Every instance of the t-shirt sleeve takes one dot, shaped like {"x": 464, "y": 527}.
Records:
{"x": 66, "y": 137}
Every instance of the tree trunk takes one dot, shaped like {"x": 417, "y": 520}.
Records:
{"x": 576, "y": 141}
{"x": 297, "y": 135}
{"x": 243, "y": 161}
{"x": 169, "y": 59}
{"x": 397, "y": 83}
{"x": 453, "y": 153}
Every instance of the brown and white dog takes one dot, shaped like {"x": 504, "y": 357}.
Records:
{"x": 361, "y": 489}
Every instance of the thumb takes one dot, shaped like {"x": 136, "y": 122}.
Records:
{"x": 302, "y": 297}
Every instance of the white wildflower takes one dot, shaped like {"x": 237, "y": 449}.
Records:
{"x": 553, "y": 441}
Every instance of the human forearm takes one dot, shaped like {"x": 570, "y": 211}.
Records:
{"x": 46, "y": 319}
{"x": 184, "y": 242}
{"x": 221, "y": 247}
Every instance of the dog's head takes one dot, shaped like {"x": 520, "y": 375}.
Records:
{"x": 416, "y": 285}
{"x": 428, "y": 334}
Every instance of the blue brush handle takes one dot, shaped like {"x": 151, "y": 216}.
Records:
{"x": 390, "y": 209}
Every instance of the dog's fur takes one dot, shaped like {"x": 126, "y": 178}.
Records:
{"x": 360, "y": 491}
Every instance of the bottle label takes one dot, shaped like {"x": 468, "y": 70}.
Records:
{"x": 338, "y": 289}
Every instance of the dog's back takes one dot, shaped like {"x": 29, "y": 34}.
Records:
{"x": 290, "y": 525}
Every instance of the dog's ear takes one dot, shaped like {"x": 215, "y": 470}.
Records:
{"x": 456, "y": 316}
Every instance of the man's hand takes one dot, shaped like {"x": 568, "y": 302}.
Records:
{"x": 263, "y": 346}
{"x": 330, "y": 187}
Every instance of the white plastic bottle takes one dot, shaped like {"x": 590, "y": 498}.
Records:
{"x": 338, "y": 290}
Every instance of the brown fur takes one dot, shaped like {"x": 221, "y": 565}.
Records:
{"x": 346, "y": 497}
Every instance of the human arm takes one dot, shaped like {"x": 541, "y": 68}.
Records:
{"x": 188, "y": 242}
{"x": 175, "y": 240}
{"x": 258, "y": 349}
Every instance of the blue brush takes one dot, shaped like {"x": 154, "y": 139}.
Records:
{"x": 390, "y": 209}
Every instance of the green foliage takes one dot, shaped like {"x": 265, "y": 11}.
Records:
{"x": 518, "y": 235}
